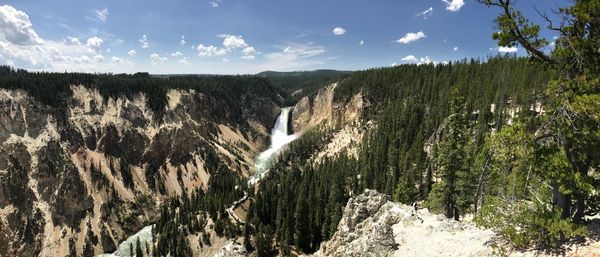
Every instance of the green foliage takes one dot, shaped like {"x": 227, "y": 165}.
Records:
{"x": 263, "y": 242}
{"x": 138, "y": 248}
{"x": 189, "y": 213}
{"x": 435, "y": 202}
{"x": 525, "y": 223}
{"x": 568, "y": 139}
{"x": 412, "y": 106}
{"x": 451, "y": 160}
{"x": 302, "y": 204}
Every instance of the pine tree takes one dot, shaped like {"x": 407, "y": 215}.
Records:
{"x": 302, "y": 226}
{"x": 263, "y": 239}
{"x": 452, "y": 153}
{"x": 138, "y": 248}
{"x": 573, "y": 98}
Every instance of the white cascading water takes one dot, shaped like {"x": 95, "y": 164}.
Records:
{"x": 280, "y": 137}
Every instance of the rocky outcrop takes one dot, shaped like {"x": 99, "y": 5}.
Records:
{"x": 69, "y": 177}
{"x": 372, "y": 225}
{"x": 322, "y": 109}
{"x": 232, "y": 249}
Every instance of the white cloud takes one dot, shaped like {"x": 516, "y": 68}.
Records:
{"x": 182, "y": 40}
{"x": 304, "y": 50}
{"x": 21, "y": 47}
{"x": 144, "y": 41}
{"x": 208, "y": 51}
{"x": 393, "y": 64}
{"x": 426, "y": 14}
{"x": 249, "y": 53}
{"x": 338, "y": 31}
{"x": 184, "y": 61}
{"x": 176, "y": 54}
{"x": 425, "y": 60}
{"x": 108, "y": 50}
{"x": 95, "y": 43}
{"x": 410, "y": 58}
{"x": 361, "y": 43}
{"x": 85, "y": 59}
{"x": 411, "y": 37}
{"x": 74, "y": 41}
{"x": 507, "y": 49}
{"x": 51, "y": 55}
{"x": 156, "y": 59}
{"x": 422, "y": 60}
{"x": 131, "y": 52}
{"x": 15, "y": 27}
{"x": 224, "y": 59}
{"x": 232, "y": 42}
{"x": 116, "y": 59}
{"x": 215, "y": 3}
{"x": 98, "y": 58}
{"x": 102, "y": 14}
{"x": 294, "y": 56}
{"x": 455, "y": 49}
{"x": 454, "y": 5}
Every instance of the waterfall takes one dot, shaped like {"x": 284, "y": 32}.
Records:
{"x": 280, "y": 137}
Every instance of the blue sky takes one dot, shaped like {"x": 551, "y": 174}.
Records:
{"x": 246, "y": 36}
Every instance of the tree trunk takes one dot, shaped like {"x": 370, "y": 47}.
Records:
{"x": 456, "y": 213}
{"x": 580, "y": 207}
{"x": 562, "y": 202}
{"x": 428, "y": 181}
{"x": 480, "y": 183}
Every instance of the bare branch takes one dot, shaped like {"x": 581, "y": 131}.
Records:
{"x": 518, "y": 35}
{"x": 548, "y": 20}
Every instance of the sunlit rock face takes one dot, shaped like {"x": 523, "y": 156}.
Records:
{"x": 322, "y": 109}
{"x": 71, "y": 176}
{"x": 372, "y": 225}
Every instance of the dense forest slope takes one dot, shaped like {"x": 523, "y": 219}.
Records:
{"x": 85, "y": 159}
{"x": 420, "y": 116}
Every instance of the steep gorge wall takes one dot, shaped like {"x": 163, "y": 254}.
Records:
{"x": 344, "y": 120}
{"x": 71, "y": 183}
{"x": 322, "y": 109}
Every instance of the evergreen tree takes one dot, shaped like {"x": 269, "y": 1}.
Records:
{"x": 138, "y": 248}
{"x": 452, "y": 153}
{"x": 574, "y": 114}
{"x": 263, "y": 242}
{"x": 302, "y": 227}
